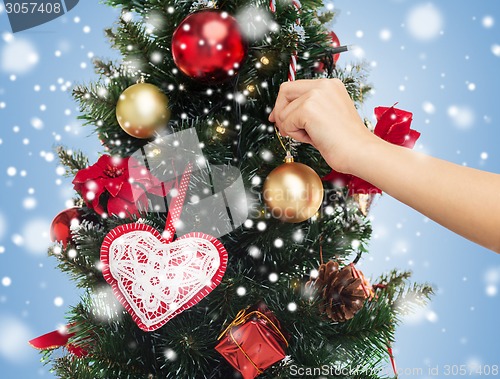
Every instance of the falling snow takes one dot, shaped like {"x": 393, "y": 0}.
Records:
{"x": 18, "y": 56}
{"x": 35, "y": 236}
{"x": 255, "y": 252}
{"x": 495, "y": 49}
{"x": 256, "y": 22}
{"x": 170, "y": 355}
{"x": 428, "y": 107}
{"x": 13, "y": 336}
{"x": 11, "y": 171}
{"x": 29, "y": 131}
{"x": 425, "y": 22}
{"x": 105, "y": 306}
{"x": 29, "y": 203}
{"x": 491, "y": 290}
{"x": 492, "y": 281}
{"x": 488, "y": 22}
{"x": 261, "y": 226}
{"x": 58, "y": 301}
{"x": 3, "y": 226}
{"x": 461, "y": 116}
{"x": 358, "y": 52}
{"x": 37, "y": 123}
{"x": 385, "y": 35}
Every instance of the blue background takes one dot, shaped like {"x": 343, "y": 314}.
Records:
{"x": 460, "y": 327}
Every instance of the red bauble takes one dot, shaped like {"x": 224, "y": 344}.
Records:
{"x": 335, "y": 43}
{"x": 320, "y": 67}
{"x": 208, "y": 46}
{"x": 60, "y": 229}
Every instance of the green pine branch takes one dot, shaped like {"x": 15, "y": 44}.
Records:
{"x": 74, "y": 161}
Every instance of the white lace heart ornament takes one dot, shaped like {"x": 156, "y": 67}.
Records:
{"x": 155, "y": 278}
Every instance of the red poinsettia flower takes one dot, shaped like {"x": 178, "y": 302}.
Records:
{"x": 393, "y": 125}
{"x": 117, "y": 186}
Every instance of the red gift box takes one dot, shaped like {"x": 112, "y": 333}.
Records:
{"x": 253, "y": 341}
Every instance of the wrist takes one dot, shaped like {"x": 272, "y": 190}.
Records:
{"x": 367, "y": 150}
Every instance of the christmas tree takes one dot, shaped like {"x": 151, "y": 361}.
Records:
{"x": 205, "y": 75}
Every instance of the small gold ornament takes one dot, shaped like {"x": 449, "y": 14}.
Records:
{"x": 364, "y": 201}
{"x": 293, "y": 191}
{"x": 264, "y": 60}
{"x": 142, "y": 110}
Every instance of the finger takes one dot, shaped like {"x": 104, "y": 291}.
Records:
{"x": 301, "y": 136}
{"x": 293, "y": 125}
{"x": 284, "y": 114}
{"x": 271, "y": 117}
{"x": 288, "y": 110}
{"x": 290, "y": 91}
{"x": 298, "y": 135}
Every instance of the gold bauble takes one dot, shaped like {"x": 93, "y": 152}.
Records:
{"x": 293, "y": 192}
{"x": 142, "y": 110}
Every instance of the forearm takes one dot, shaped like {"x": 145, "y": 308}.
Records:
{"x": 464, "y": 200}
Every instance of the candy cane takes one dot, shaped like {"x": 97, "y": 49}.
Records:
{"x": 272, "y": 6}
{"x": 292, "y": 68}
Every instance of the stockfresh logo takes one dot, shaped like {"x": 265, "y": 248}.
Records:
{"x": 28, "y": 14}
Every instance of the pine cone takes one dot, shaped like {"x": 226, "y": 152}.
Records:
{"x": 342, "y": 292}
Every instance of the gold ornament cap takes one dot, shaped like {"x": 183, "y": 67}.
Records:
{"x": 289, "y": 158}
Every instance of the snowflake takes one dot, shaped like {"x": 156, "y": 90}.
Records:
{"x": 300, "y": 32}
{"x": 37, "y": 123}
{"x": 11, "y": 171}
{"x": 488, "y": 22}
{"x": 58, "y": 301}
{"x": 273, "y": 277}
{"x": 202, "y": 4}
{"x": 170, "y": 355}
{"x": 292, "y": 307}
{"x": 254, "y": 252}
{"x": 495, "y": 49}
{"x": 261, "y": 226}
{"x": 29, "y": 203}
{"x": 278, "y": 242}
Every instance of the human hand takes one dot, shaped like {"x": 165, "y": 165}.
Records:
{"x": 320, "y": 112}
